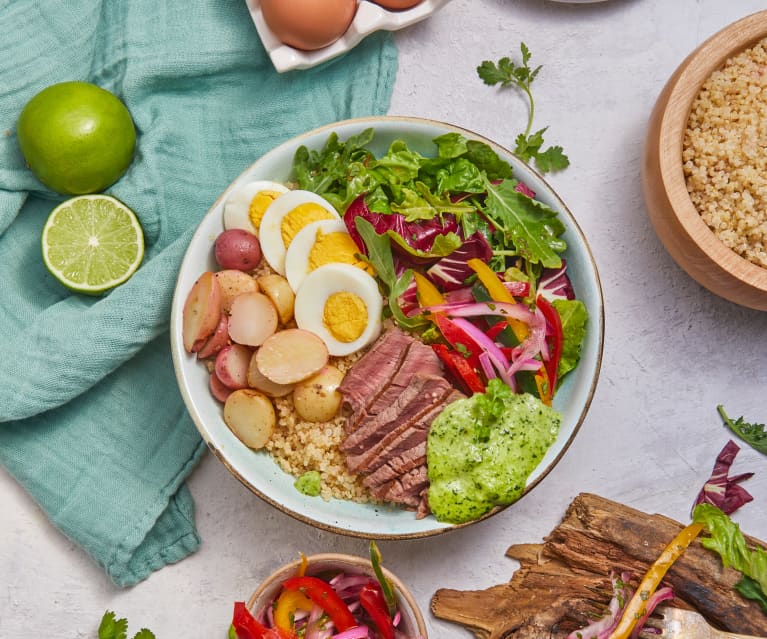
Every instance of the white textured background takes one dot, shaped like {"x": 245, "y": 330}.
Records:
{"x": 672, "y": 352}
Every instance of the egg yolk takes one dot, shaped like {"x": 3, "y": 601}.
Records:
{"x": 259, "y": 204}
{"x": 336, "y": 247}
{"x": 345, "y": 316}
{"x": 299, "y": 217}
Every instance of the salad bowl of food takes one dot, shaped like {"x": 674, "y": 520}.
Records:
{"x": 333, "y": 593}
{"x": 388, "y": 327}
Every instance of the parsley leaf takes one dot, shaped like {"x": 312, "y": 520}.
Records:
{"x": 113, "y": 628}
{"x": 754, "y": 435}
{"x": 529, "y": 146}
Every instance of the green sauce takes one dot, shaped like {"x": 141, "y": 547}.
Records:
{"x": 309, "y": 483}
{"x": 481, "y": 450}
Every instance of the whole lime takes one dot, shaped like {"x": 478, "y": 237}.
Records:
{"x": 76, "y": 137}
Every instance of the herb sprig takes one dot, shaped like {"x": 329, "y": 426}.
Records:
{"x": 113, "y": 628}
{"x": 754, "y": 434}
{"x": 529, "y": 145}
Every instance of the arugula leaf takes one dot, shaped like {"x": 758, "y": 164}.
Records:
{"x": 532, "y": 227}
{"x": 529, "y": 146}
{"x": 574, "y": 315}
{"x": 754, "y": 435}
{"x": 113, "y": 628}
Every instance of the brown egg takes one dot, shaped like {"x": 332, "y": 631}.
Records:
{"x": 397, "y": 4}
{"x": 308, "y": 24}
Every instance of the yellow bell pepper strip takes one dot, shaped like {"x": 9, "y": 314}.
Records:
{"x": 543, "y": 384}
{"x": 498, "y": 292}
{"x": 288, "y": 603}
{"x": 428, "y": 294}
{"x": 322, "y": 594}
{"x": 637, "y": 605}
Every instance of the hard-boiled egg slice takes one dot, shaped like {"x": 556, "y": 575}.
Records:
{"x": 321, "y": 243}
{"x": 246, "y": 204}
{"x": 285, "y": 217}
{"x": 342, "y": 305}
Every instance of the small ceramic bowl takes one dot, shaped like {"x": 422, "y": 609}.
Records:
{"x": 677, "y": 222}
{"x": 412, "y": 623}
{"x": 370, "y": 17}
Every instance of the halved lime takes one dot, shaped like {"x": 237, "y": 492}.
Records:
{"x": 92, "y": 243}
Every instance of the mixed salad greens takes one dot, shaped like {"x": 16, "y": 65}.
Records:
{"x": 465, "y": 253}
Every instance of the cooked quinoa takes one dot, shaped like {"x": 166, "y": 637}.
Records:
{"x": 299, "y": 446}
{"x": 725, "y": 153}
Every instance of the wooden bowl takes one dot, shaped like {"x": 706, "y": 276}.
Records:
{"x": 676, "y": 220}
{"x": 412, "y": 623}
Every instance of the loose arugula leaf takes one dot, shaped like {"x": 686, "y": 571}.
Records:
{"x": 532, "y": 227}
{"x": 113, "y": 628}
{"x": 754, "y": 435}
{"x": 750, "y": 589}
{"x": 529, "y": 146}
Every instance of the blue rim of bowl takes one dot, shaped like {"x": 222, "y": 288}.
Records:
{"x": 572, "y": 225}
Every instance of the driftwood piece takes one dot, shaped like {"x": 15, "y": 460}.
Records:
{"x": 564, "y": 581}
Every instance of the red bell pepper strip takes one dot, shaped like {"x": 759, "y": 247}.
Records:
{"x": 245, "y": 624}
{"x": 322, "y": 593}
{"x": 557, "y": 339}
{"x": 373, "y": 602}
{"x": 459, "y": 368}
{"x": 496, "y": 329}
{"x": 458, "y": 339}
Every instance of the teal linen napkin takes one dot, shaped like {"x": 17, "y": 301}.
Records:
{"x": 91, "y": 421}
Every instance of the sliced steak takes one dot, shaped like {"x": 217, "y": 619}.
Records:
{"x": 397, "y": 466}
{"x": 406, "y": 489}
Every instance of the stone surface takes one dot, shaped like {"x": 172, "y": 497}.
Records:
{"x": 673, "y": 351}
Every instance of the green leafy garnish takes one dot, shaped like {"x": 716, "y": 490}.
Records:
{"x": 754, "y": 435}
{"x": 728, "y": 542}
{"x": 386, "y": 585}
{"x": 529, "y": 145}
{"x": 113, "y": 628}
{"x": 574, "y": 316}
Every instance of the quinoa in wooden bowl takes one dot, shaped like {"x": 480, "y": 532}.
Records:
{"x": 705, "y": 163}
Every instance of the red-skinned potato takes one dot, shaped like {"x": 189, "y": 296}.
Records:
{"x": 232, "y": 364}
{"x": 253, "y": 318}
{"x": 397, "y": 5}
{"x": 202, "y": 311}
{"x": 237, "y": 249}
{"x": 234, "y": 283}
{"x": 217, "y": 341}
{"x": 250, "y": 416}
{"x": 291, "y": 355}
{"x": 218, "y": 389}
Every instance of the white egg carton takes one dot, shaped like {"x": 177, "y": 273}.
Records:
{"x": 370, "y": 17}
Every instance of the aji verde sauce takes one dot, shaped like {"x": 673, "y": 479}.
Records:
{"x": 481, "y": 450}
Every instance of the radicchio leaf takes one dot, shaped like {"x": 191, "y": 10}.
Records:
{"x": 555, "y": 283}
{"x": 421, "y": 239}
{"x": 450, "y": 272}
{"x": 723, "y": 491}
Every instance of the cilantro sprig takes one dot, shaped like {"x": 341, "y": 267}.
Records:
{"x": 113, "y": 628}
{"x": 529, "y": 145}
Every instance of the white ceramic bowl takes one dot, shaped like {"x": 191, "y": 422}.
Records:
{"x": 412, "y": 622}
{"x": 258, "y": 471}
{"x": 370, "y": 17}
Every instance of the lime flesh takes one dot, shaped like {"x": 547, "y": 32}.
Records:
{"x": 92, "y": 243}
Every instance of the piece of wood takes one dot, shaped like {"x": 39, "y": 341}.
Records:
{"x": 564, "y": 582}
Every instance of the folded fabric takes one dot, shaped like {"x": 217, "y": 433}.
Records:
{"x": 91, "y": 420}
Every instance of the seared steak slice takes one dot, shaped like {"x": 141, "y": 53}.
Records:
{"x": 419, "y": 360}
{"x": 397, "y": 466}
{"x": 423, "y": 395}
{"x": 406, "y": 489}
{"x": 364, "y": 382}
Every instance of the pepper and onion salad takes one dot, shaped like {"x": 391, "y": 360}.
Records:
{"x": 465, "y": 254}
{"x": 331, "y": 605}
